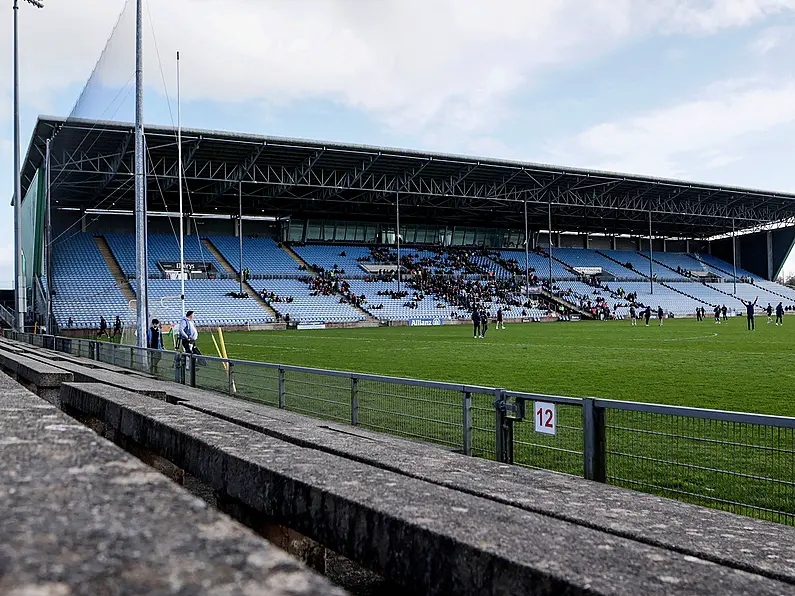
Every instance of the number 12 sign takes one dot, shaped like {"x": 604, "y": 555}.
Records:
{"x": 545, "y": 417}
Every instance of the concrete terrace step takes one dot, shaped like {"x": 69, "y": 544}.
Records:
{"x": 82, "y": 517}
{"x": 681, "y": 527}
{"x": 425, "y": 537}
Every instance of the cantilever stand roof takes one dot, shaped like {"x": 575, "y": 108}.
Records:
{"x": 92, "y": 168}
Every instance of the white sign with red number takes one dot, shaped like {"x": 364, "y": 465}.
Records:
{"x": 545, "y": 417}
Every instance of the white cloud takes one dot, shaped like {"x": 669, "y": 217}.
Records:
{"x": 686, "y": 139}
{"x": 772, "y": 38}
{"x": 444, "y": 72}
{"x": 448, "y": 64}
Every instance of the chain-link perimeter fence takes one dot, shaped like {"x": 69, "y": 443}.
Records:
{"x": 743, "y": 463}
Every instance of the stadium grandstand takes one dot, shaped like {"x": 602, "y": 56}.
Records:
{"x": 336, "y": 234}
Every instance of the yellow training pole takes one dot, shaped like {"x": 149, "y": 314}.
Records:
{"x": 225, "y": 357}
{"x": 218, "y": 351}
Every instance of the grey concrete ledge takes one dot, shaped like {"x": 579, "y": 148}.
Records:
{"x": 79, "y": 516}
{"x": 431, "y": 539}
{"x": 36, "y": 372}
{"x": 740, "y": 542}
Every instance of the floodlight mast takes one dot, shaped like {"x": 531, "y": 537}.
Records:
{"x": 179, "y": 184}
{"x": 141, "y": 268}
{"x": 19, "y": 282}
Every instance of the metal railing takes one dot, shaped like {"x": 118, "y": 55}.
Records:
{"x": 7, "y": 316}
{"x": 738, "y": 462}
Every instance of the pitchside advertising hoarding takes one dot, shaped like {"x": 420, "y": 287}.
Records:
{"x": 426, "y": 322}
{"x": 589, "y": 270}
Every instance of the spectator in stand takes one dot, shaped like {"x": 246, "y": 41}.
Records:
{"x": 70, "y": 323}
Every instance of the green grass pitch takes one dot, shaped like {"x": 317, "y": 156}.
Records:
{"x": 684, "y": 362}
{"x": 747, "y": 469}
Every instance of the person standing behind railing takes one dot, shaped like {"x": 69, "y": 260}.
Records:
{"x": 188, "y": 333}
{"x": 154, "y": 342}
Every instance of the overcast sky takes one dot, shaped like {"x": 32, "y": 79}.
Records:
{"x": 694, "y": 89}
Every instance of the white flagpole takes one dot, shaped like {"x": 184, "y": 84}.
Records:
{"x": 179, "y": 184}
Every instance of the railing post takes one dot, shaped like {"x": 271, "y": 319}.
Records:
{"x": 93, "y": 350}
{"x": 179, "y": 371}
{"x": 467, "y": 405}
{"x": 354, "y": 401}
{"x": 503, "y": 429}
{"x": 282, "y": 402}
{"x": 594, "y": 450}
{"x": 231, "y": 377}
{"x": 132, "y": 357}
{"x": 192, "y": 370}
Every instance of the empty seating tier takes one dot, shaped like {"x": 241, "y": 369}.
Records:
{"x": 162, "y": 247}
{"x": 83, "y": 286}
{"x": 262, "y": 256}
{"x": 209, "y": 299}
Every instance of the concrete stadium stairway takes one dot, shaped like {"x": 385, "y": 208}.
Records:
{"x": 298, "y": 259}
{"x": 609, "y": 258}
{"x": 115, "y": 268}
{"x": 252, "y": 293}
{"x": 562, "y": 301}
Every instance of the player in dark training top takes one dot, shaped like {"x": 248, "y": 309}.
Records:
{"x": 660, "y": 315}
{"x": 476, "y": 321}
{"x": 647, "y": 315}
{"x": 749, "y": 307}
{"x": 780, "y": 315}
{"x": 769, "y": 311}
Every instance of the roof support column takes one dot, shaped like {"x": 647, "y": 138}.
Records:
{"x": 397, "y": 236}
{"x": 48, "y": 243}
{"x": 770, "y": 255}
{"x": 240, "y": 229}
{"x": 734, "y": 258}
{"x": 651, "y": 256}
{"x": 551, "y": 281}
{"x": 526, "y": 250}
